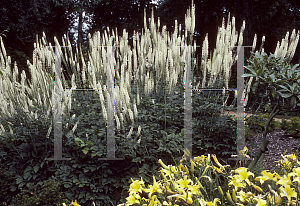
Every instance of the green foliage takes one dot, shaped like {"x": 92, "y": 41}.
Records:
{"x": 292, "y": 127}
{"x": 47, "y": 193}
{"x": 257, "y": 123}
{"x": 86, "y": 179}
{"x": 6, "y": 179}
{"x": 274, "y": 79}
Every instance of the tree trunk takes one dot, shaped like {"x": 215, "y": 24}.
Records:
{"x": 80, "y": 32}
{"x": 265, "y": 141}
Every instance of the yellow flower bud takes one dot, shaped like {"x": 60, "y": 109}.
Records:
{"x": 216, "y": 161}
{"x": 234, "y": 196}
{"x": 163, "y": 165}
{"x": 221, "y": 191}
{"x": 192, "y": 166}
{"x": 217, "y": 169}
{"x": 229, "y": 197}
{"x": 186, "y": 169}
{"x": 257, "y": 188}
{"x": 164, "y": 177}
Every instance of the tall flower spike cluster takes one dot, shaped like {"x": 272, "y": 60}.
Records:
{"x": 40, "y": 90}
{"x": 287, "y": 48}
{"x": 222, "y": 59}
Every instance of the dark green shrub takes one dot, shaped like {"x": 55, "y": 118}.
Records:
{"x": 257, "y": 123}
{"x": 48, "y": 193}
{"x": 6, "y": 179}
{"x": 292, "y": 127}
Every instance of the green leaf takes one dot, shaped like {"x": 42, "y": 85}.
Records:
{"x": 67, "y": 185}
{"x": 35, "y": 168}
{"x": 93, "y": 154}
{"x": 260, "y": 71}
{"x": 284, "y": 87}
{"x": 85, "y": 150}
{"x": 285, "y": 95}
{"x": 19, "y": 180}
{"x": 248, "y": 75}
{"x": 251, "y": 70}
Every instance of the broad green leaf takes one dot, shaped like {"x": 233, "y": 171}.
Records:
{"x": 260, "y": 71}
{"x": 284, "y": 87}
{"x": 285, "y": 95}
{"x": 248, "y": 75}
{"x": 36, "y": 168}
{"x": 85, "y": 150}
{"x": 251, "y": 70}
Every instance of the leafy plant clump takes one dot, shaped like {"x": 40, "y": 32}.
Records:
{"x": 6, "y": 179}
{"x": 256, "y": 124}
{"x": 48, "y": 193}
{"x": 292, "y": 127}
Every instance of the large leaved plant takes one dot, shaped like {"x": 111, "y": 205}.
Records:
{"x": 276, "y": 79}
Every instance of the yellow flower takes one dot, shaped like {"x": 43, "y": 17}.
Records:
{"x": 217, "y": 162}
{"x": 260, "y": 202}
{"x": 217, "y": 169}
{"x": 132, "y": 199}
{"x": 136, "y": 186}
{"x": 266, "y": 176}
{"x": 241, "y": 196}
{"x": 192, "y": 166}
{"x": 167, "y": 204}
{"x": 187, "y": 197}
{"x": 75, "y": 203}
{"x": 288, "y": 192}
{"x": 163, "y": 165}
{"x": 210, "y": 203}
{"x": 296, "y": 172}
{"x": 236, "y": 181}
{"x": 193, "y": 189}
{"x": 200, "y": 160}
{"x": 154, "y": 188}
{"x": 234, "y": 195}
{"x": 154, "y": 201}
{"x": 284, "y": 181}
{"x": 292, "y": 157}
{"x": 184, "y": 183}
{"x": 243, "y": 174}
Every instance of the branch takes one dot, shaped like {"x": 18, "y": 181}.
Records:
{"x": 265, "y": 142}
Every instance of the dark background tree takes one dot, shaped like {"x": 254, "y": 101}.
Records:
{"x": 120, "y": 14}
{"x": 28, "y": 18}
